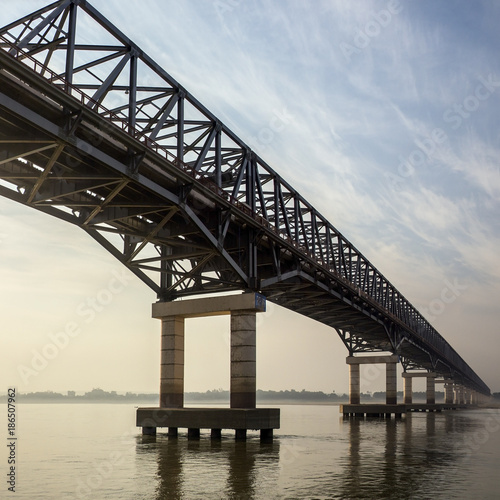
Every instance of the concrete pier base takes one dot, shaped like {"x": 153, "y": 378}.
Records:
{"x": 240, "y": 434}
{"x": 387, "y": 410}
{"x": 240, "y": 420}
{"x": 193, "y": 433}
{"x": 216, "y": 433}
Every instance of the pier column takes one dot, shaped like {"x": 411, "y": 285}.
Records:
{"x": 172, "y": 362}
{"x": 461, "y": 394}
{"x": 243, "y": 359}
{"x": 474, "y": 397}
{"x": 467, "y": 395}
{"x": 391, "y": 383}
{"x": 354, "y": 384}
{"x": 431, "y": 389}
{"x": 448, "y": 391}
{"x": 408, "y": 390}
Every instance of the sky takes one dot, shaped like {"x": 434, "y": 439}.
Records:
{"x": 383, "y": 114}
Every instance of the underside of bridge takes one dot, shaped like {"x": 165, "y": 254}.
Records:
{"x": 102, "y": 137}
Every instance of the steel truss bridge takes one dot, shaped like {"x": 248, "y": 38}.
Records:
{"x": 94, "y": 132}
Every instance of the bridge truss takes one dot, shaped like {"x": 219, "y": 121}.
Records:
{"x": 94, "y": 132}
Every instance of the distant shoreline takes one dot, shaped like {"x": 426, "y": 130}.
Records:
{"x": 217, "y": 397}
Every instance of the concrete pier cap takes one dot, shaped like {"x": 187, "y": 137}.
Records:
{"x": 368, "y": 360}
{"x": 210, "y": 306}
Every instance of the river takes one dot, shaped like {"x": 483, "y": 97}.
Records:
{"x": 74, "y": 451}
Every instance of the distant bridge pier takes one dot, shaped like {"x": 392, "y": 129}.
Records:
{"x": 465, "y": 396}
{"x": 243, "y": 414}
{"x": 474, "y": 397}
{"x": 468, "y": 396}
{"x": 430, "y": 386}
{"x": 456, "y": 395}
{"x": 448, "y": 391}
{"x": 459, "y": 394}
{"x": 391, "y": 391}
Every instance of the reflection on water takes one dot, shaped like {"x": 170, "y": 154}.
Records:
{"x": 418, "y": 456}
{"x": 395, "y": 458}
{"x": 208, "y": 468}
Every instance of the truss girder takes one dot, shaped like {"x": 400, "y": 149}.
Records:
{"x": 103, "y": 137}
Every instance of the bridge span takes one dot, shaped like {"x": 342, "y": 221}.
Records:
{"x": 93, "y": 131}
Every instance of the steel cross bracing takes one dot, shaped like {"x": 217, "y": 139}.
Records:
{"x": 94, "y": 132}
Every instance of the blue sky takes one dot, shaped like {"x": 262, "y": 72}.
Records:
{"x": 383, "y": 114}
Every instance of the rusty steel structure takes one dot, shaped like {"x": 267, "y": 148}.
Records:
{"x": 93, "y": 131}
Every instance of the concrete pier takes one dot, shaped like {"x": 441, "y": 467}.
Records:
{"x": 430, "y": 386}
{"x": 243, "y": 414}
{"x": 390, "y": 362}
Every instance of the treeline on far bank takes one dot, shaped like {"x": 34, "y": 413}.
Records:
{"x": 216, "y": 395}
